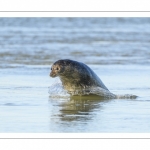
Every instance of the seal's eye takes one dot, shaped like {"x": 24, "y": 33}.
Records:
{"x": 57, "y": 68}
{"x": 51, "y": 68}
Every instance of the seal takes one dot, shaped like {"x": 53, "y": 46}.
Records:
{"x": 76, "y": 77}
{"x": 79, "y": 79}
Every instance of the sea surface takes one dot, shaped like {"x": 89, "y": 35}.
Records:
{"x": 117, "y": 49}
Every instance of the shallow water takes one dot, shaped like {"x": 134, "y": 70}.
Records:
{"x": 117, "y": 49}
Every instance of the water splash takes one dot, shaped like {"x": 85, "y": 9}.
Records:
{"x": 126, "y": 96}
{"x": 56, "y": 90}
{"x": 102, "y": 92}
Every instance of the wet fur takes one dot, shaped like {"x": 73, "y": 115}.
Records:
{"x": 76, "y": 75}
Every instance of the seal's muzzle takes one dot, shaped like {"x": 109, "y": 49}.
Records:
{"x": 52, "y": 74}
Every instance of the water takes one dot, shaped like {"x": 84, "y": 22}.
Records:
{"x": 117, "y": 49}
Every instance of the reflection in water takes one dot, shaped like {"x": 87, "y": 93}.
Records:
{"x": 79, "y": 108}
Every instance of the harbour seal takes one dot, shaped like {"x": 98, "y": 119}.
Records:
{"x": 77, "y": 78}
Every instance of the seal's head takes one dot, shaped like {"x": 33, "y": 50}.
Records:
{"x": 59, "y": 67}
